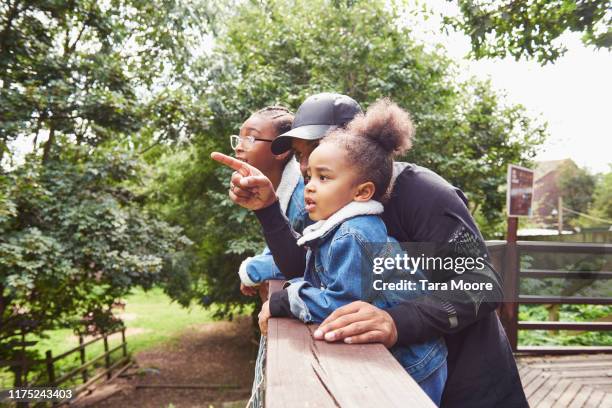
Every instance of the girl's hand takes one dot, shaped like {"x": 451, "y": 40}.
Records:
{"x": 264, "y": 289}
{"x": 248, "y": 290}
{"x": 264, "y": 315}
{"x": 250, "y": 188}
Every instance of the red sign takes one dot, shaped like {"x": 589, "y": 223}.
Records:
{"x": 520, "y": 191}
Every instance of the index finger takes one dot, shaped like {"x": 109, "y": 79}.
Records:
{"x": 231, "y": 162}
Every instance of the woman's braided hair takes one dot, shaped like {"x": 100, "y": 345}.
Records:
{"x": 281, "y": 117}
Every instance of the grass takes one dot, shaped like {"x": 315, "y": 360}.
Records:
{"x": 158, "y": 319}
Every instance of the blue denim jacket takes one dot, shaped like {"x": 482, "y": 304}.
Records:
{"x": 259, "y": 268}
{"x": 339, "y": 266}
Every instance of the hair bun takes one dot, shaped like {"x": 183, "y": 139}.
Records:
{"x": 386, "y": 124}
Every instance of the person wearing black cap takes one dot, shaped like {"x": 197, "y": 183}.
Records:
{"x": 317, "y": 115}
{"x": 423, "y": 207}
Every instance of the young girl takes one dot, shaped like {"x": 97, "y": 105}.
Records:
{"x": 350, "y": 173}
{"x": 253, "y": 146}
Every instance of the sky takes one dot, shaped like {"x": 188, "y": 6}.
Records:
{"x": 573, "y": 94}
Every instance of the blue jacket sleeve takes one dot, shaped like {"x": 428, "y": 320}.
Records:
{"x": 344, "y": 269}
{"x": 282, "y": 239}
{"x": 257, "y": 269}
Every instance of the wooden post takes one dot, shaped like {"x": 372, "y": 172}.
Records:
{"x": 50, "y": 372}
{"x": 560, "y": 215}
{"x": 512, "y": 230}
{"x": 82, "y": 354}
{"x": 21, "y": 371}
{"x": 50, "y": 369}
{"x": 123, "y": 343}
{"x": 509, "y": 309}
{"x": 106, "y": 357}
{"x": 553, "y": 310}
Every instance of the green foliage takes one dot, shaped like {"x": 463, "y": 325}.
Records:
{"x": 573, "y": 313}
{"x": 155, "y": 321}
{"x": 556, "y": 287}
{"x": 76, "y": 243}
{"x": 281, "y": 52}
{"x": 483, "y": 137}
{"x": 600, "y": 212}
{"x": 530, "y": 28}
{"x": 576, "y": 186}
{"x": 190, "y": 191}
{"x": 87, "y": 85}
{"x": 107, "y": 93}
{"x": 85, "y": 72}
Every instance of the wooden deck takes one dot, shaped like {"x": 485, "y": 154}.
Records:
{"x": 567, "y": 381}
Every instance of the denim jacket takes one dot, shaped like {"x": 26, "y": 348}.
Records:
{"x": 339, "y": 270}
{"x": 290, "y": 192}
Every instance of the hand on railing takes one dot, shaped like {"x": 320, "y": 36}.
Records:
{"x": 358, "y": 322}
{"x": 264, "y": 316}
{"x": 253, "y": 290}
{"x": 248, "y": 290}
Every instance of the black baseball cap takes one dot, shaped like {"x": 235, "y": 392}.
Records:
{"x": 316, "y": 115}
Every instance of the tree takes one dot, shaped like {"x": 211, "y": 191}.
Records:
{"x": 90, "y": 86}
{"x": 576, "y": 186}
{"x": 602, "y": 197}
{"x": 530, "y": 28}
{"x": 600, "y": 211}
{"x": 280, "y": 53}
{"x": 84, "y": 72}
{"x": 72, "y": 242}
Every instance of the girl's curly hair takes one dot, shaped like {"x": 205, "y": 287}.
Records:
{"x": 372, "y": 140}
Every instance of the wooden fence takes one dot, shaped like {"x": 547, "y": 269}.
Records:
{"x": 587, "y": 235}
{"x": 507, "y": 260}
{"x": 53, "y": 379}
{"x": 302, "y": 372}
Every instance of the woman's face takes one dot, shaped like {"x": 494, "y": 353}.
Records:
{"x": 259, "y": 154}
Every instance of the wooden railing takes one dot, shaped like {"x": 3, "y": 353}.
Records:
{"x": 66, "y": 380}
{"x": 303, "y": 372}
{"x": 86, "y": 364}
{"x": 506, "y": 258}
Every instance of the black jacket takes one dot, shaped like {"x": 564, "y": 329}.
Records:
{"x": 424, "y": 208}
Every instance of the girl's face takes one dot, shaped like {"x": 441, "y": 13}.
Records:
{"x": 333, "y": 182}
{"x": 259, "y": 154}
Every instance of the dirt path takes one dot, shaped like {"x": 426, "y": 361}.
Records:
{"x": 211, "y": 353}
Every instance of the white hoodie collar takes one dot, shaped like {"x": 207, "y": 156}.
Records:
{"x": 289, "y": 180}
{"x": 352, "y": 209}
